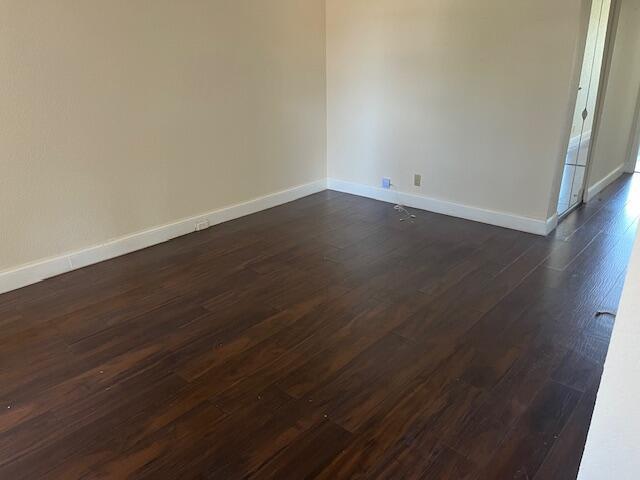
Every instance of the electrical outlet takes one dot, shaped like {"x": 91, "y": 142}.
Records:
{"x": 386, "y": 183}
{"x": 203, "y": 225}
{"x": 417, "y": 180}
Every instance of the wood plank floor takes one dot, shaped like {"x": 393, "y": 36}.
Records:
{"x": 321, "y": 339}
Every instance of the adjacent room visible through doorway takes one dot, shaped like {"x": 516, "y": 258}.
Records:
{"x": 582, "y": 129}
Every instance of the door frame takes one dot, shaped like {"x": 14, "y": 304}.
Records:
{"x": 610, "y": 40}
{"x": 634, "y": 142}
{"x": 612, "y": 27}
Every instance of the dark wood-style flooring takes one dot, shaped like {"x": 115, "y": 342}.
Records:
{"x": 321, "y": 339}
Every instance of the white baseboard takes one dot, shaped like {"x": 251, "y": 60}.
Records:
{"x": 594, "y": 190}
{"x": 551, "y": 224}
{"x": 500, "y": 219}
{"x": 35, "y": 272}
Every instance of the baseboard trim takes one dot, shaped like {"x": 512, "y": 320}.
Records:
{"x": 35, "y": 272}
{"x": 594, "y": 190}
{"x": 551, "y": 224}
{"x": 500, "y": 219}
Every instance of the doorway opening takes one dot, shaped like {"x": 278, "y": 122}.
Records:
{"x": 576, "y": 161}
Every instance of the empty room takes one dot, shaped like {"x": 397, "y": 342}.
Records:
{"x": 333, "y": 239}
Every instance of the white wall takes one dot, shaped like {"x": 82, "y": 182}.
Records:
{"x": 120, "y": 115}
{"x": 473, "y": 95}
{"x": 614, "y": 136}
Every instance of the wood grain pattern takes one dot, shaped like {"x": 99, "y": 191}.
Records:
{"x": 324, "y": 338}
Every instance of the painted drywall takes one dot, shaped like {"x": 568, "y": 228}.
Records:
{"x": 474, "y": 96}
{"x": 117, "y": 116}
{"x": 614, "y": 136}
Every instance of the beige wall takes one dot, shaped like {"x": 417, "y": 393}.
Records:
{"x": 473, "y": 95}
{"x": 120, "y": 115}
{"x": 615, "y": 130}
